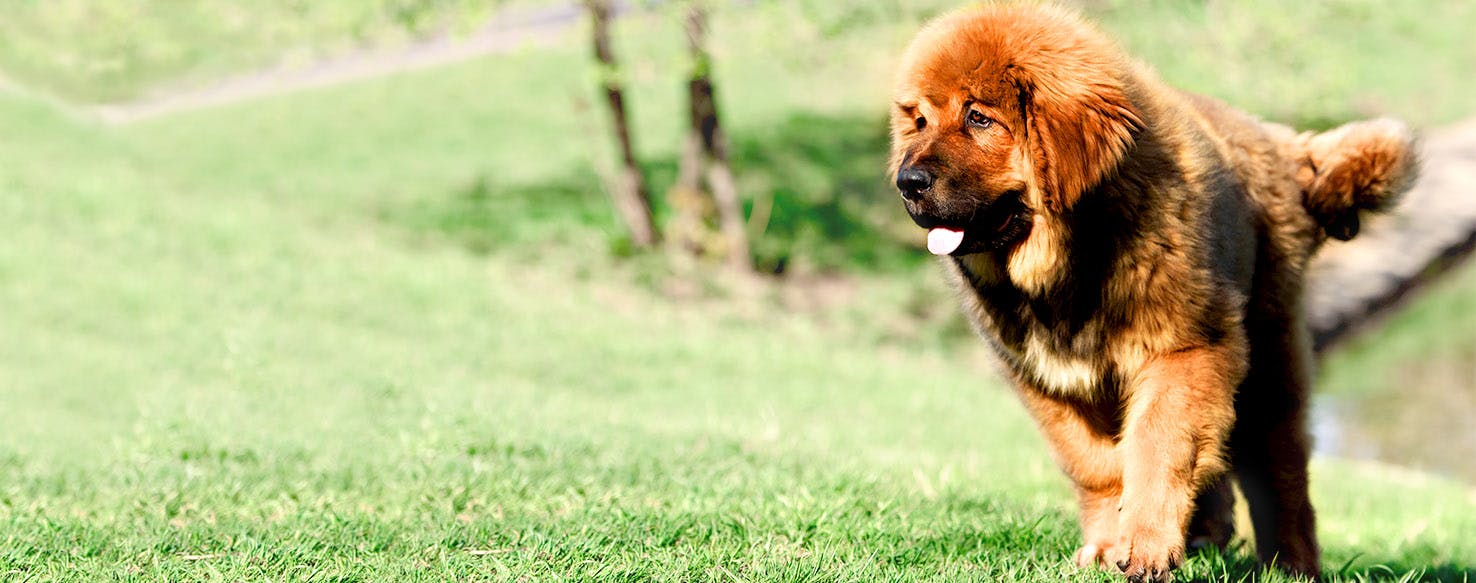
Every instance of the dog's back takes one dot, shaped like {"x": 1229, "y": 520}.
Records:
{"x": 1359, "y": 167}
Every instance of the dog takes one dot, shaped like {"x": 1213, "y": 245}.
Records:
{"x": 1134, "y": 255}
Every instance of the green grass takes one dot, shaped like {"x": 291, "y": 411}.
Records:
{"x": 374, "y": 332}
{"x": 1309, "y": 62}
{"x": 1312, "y": 64}
{"x": 209, "y": 385}
{"x": 1429, "y": 331}
{"x": 109, "y": 51}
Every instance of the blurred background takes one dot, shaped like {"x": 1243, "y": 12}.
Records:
{"x": 483, "y": 289}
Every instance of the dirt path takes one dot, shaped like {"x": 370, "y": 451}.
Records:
{"x": 507, "y": 31}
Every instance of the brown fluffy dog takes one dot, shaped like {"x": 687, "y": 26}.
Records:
{"x": 1134, "y": 254}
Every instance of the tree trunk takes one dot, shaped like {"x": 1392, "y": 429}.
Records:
{"x": 709, "y": 131}
{"x": 629, "y": 193}
{"x": 690, "y": 205}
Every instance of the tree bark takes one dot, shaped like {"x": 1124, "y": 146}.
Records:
{"x": 709, "y": 133}
{"x": 628, "y": 193}
{"x": 691, "y": 206}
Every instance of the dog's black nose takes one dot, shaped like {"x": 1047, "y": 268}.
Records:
{"x": 913, "y": 182}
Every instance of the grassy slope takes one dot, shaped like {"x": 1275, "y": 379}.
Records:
{"x": 246, "y": 350}
{"x": 1312, "y": 64}
{"x": 97, "y": 52}
{"x": 215, "y": 385}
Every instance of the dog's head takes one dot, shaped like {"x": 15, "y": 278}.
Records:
{"x": 1002, "y": 113}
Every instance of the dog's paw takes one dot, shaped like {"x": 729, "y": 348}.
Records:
{"x": 1148, "y": 557}
{"x": 1206, "y": 537}
{"x": 1213, "y": 523}
{"x": 1092, "y": 554}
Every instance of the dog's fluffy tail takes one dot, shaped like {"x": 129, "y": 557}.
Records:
{"x": 1357, "y": 167}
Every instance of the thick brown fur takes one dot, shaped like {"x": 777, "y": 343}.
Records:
{"x": 1135, "y": 254}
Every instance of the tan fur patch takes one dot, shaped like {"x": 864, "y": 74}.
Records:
{"x": 1036, "y": 263}
{"x": 1064, "y": 375}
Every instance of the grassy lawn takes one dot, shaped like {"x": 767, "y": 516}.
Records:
{"x": 375, "y": 332}
{"x": 88, "y": 51}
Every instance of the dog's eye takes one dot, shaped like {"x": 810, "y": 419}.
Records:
{"x": 979, "y": 120}
{"x": 922, "y": 122}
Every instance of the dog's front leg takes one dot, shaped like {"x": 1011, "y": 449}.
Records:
{"x": 1089, "y": 457}
{"x": 1180, "y": 408}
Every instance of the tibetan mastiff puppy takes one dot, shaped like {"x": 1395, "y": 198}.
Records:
{"x": 1134, "y": 254}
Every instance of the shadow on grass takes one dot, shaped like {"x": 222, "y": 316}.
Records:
{"x": 819, "y": 180}
{"x": 831, "y": 202}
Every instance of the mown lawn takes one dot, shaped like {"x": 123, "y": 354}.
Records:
{"x": 376, "y": 332}
{"x": 94, "y": 52}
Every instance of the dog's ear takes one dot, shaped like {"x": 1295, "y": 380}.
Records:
{"x": 1078, "y": 132}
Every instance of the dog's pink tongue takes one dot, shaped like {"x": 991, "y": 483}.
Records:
{"x": 943, "y": 241}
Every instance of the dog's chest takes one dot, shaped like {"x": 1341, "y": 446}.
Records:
{"x": 1055, "y": 370}
{"x": 1052, "y": 342}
